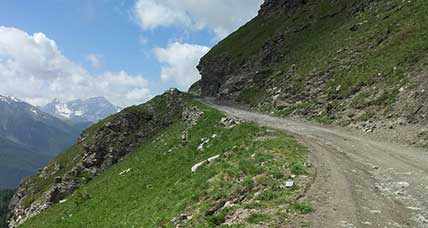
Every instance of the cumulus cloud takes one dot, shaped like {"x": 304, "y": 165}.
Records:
{"x": 153, "y": 14}
{"x": 95, "y": 60}
{"x": 179, "y": 62}
{"x": 33, "y": 68}
{"x": 220, "y": 16}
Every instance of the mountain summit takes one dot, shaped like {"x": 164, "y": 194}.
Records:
{"x": 81, "y": 111}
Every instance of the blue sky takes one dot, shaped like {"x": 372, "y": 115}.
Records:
{"x": 137, "y": 48}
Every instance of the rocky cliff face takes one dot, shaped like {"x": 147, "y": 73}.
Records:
{"x": 359, "y": 63}
{"x": 98, "y": 148}
{"x": 272, "y": 6}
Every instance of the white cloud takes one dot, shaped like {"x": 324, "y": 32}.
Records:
{"x": 33, "y": 68}
{"x": 220, "y": 16}
{"x": 179, "y": 62}
{"x": 95, "y": 60}
{"x": 153, "y": 14}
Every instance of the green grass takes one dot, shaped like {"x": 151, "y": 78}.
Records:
{"x": 303, "y": 208}
{"x": 258, "y": 218}
{"x": 160, "y": 184}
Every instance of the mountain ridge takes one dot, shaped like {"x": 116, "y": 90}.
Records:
{"x": 80, "y": 111}
{"x": 28, "y": 139}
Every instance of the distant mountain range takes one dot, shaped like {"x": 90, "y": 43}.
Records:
{"x": 28, "y": 139}
{"x": 31, "y": 136}
{"x": 81, "y": 111}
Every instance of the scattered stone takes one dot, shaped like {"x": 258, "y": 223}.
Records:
{"x": 191, "y": 115}
{"x": 375, "y": 211}
{"x": 198, "y": 165}
{"x": 228, "y": 204}
{"x": 368, "y": 126}
{"x": 209, "y": 160}
{"x": 184, "y": 137}
{"x": 229, "y": 122}
{"x": 125, "y": 172}
{"x": 367, "y": 223}
{"x": 181, "y": 219}
{"x": 289, "y": 183}
{"x": 203, "y": 143}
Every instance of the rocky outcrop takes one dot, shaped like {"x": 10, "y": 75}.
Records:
{"x": 225, "y": 77}
{"x": 98, "y": 148}
{"x": 271, "y": 6}
{"x": 318, "y": 60}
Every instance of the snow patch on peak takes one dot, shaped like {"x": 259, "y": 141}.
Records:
{"x": 78, "y": 113}
{"x": 89, "y": 110}
{"x": 9, "y": 99}
{"x": 63, "y": 110}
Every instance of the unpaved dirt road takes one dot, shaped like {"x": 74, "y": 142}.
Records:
{"x": 359, "y": 182}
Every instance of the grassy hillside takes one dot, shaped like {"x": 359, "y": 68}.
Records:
{"x": 333, "y": 61}
{"x": 155, "y": 184}
{"x": 98, "y": 148}
{"x": 5, "y": 196}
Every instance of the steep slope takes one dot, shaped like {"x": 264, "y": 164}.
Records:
{"x": 81, "y": 111}
{"x": 171, "y": 161}
{"x": 5, "y": 196}
{"x": 28, "y": 138}
{"x": 17, "y": 162}
{"x": 347, "y": 62}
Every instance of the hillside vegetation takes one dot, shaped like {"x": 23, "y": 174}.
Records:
{"x": 344, "y": 62}
{"x": 160, "y": 183}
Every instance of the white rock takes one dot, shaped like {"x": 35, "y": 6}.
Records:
{"x": 289, "y": 183}
{"x": 198, "y": 165}
{"x": 125, "y": 172}
{"x": 211, "y": 159}
{"x": 375, "y": 211}
{"x": 204, "y": 142}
